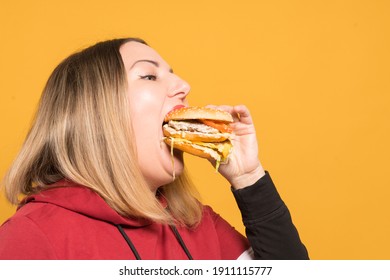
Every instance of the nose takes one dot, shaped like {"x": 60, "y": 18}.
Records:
{"x": 179, "y": 88}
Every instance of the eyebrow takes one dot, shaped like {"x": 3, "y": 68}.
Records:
{"x": 155, "y": 63}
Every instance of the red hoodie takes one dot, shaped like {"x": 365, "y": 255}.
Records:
{"x": 74, "y": 222}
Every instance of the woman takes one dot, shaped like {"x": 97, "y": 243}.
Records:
{"x": 98, "y": 179}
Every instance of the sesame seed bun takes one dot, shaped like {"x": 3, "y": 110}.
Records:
{"x": 194, "y": 113}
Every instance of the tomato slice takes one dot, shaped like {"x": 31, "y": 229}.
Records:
{"x": 221, "y": 126}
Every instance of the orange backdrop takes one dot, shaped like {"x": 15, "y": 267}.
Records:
{"x": 315, "y": 75}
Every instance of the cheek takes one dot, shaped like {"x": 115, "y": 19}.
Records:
{"x": 143, "y": 108}
{"x": 146, "y": 96}
{"x": 142, "y": 104}
{"x": 145, "y": 120}
{"x": 144, "y": 131}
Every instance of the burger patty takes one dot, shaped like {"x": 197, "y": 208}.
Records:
{"x": 192, "y": 126}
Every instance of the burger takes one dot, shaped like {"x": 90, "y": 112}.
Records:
{"x": 200, "y": 131}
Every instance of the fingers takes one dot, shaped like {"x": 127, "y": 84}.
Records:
{"x": 240, "y": 113}
{"x": 243, "y": 114}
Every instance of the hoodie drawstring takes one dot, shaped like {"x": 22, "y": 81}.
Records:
{"x": 131, "y": 245}
{"x": 182, "y": 244}
{"x": 135, "y": 252}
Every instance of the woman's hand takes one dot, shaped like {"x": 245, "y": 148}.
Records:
{"x": 243, "y": 168}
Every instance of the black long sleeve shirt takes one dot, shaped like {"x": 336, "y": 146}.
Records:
{"x": 268, "y": 224}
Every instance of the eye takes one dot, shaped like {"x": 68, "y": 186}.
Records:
{"x": 149, "y": 77}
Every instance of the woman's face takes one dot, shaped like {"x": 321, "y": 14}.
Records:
{"x": 154, "y": 91}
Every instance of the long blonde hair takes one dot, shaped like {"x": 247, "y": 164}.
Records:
{"x": 82, "y": 132}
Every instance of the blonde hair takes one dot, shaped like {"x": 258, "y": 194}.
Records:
{"x": 82, "y": 132}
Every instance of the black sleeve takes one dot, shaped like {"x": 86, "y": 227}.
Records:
{"x": 268, "y": 223}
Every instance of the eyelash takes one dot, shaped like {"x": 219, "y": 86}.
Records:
{"x": 149, "y": 77}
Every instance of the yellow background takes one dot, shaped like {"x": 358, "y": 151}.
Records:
{"x": 315, "y": 75}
